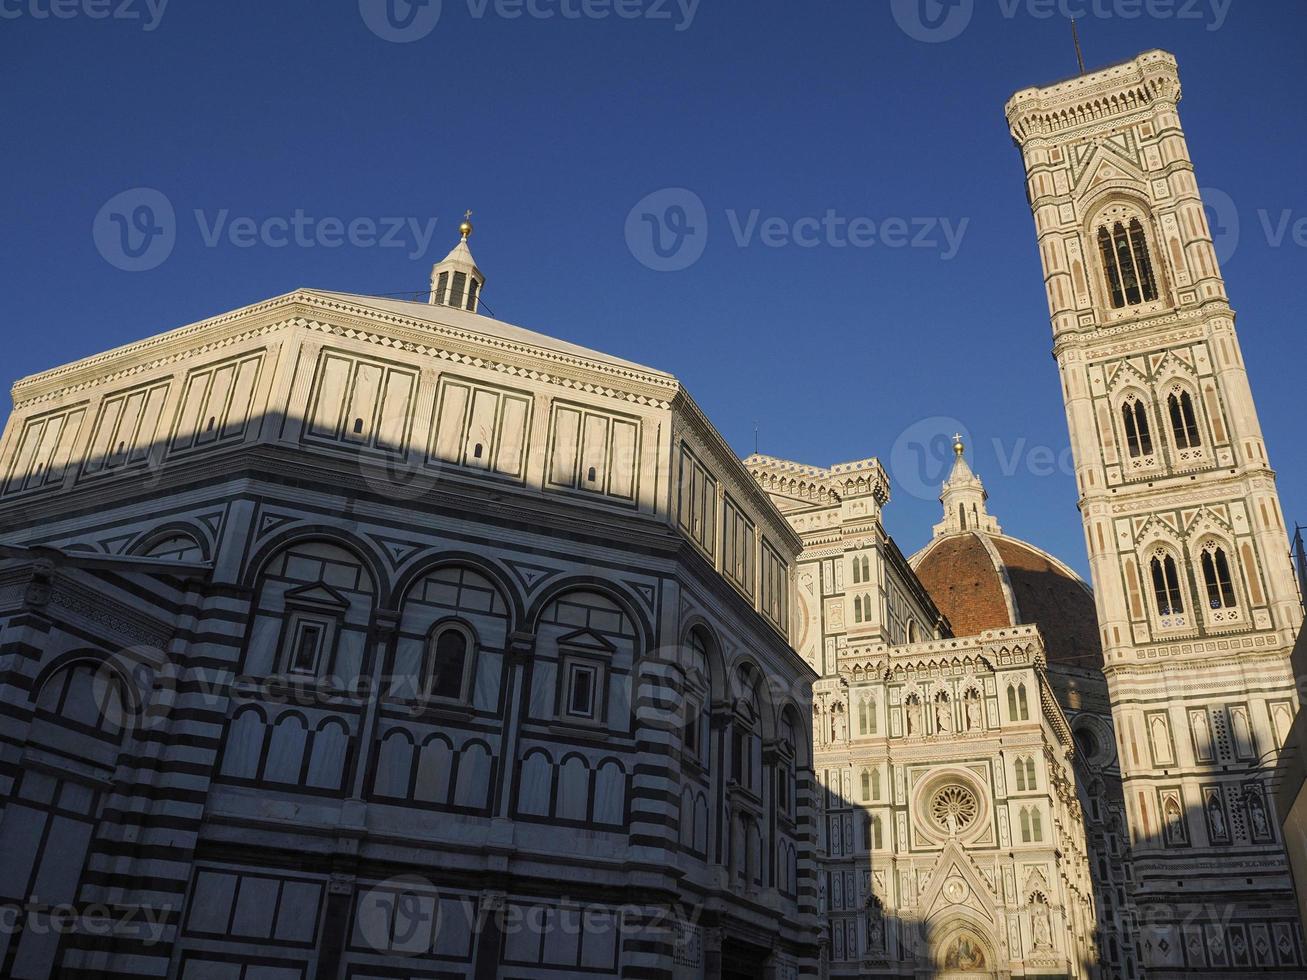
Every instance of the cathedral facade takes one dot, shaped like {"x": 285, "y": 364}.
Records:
{"x": 348, "y": 637}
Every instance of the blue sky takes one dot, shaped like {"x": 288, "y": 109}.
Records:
{"x": 362, "y": 125}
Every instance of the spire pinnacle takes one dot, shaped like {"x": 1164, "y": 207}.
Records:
{"x": 963, "y": 496}
{"x": 465, "y": 229}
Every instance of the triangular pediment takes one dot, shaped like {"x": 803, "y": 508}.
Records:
{"x": 586, "y": 640}
{"x": 1109, "y": 164}
{"x": 317, "y": 594}
{"x": 957, "y": 883}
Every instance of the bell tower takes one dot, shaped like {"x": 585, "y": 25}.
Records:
{"x": 1195, "y": 593}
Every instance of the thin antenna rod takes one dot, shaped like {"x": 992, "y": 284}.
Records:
{"x": 755, "y": 437}
{"x": 1080, "y": 55}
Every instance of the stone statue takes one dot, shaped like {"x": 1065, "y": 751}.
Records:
{"x": 973, "y": 715}
{"x": 914, "y": 716}
{"x": 1257, "y": 813}
{"x": 943, "y": 717}
{"x": 1043, "y": 930}
{"x": 1216, "y": 817}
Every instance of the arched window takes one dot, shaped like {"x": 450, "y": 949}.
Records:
{"x": 867, "y": 716}
{"x": 962, "y": 517}
{"x": 1012, "y": 702}
{"x": 1127, "y": 265}
{"x": 875, "y": 784}
{"x": 1166, "y": 585}
{"x": 1021, "y": 776}
{"x": 857, "y": 571}
{"x": 866, "y": 569}
{"x": 857, "y": 609}
{"x": 1030, "y": 773}
{"x": 1184, "y": 423}
{"x": 1216, "y": 578}
{"x": 1036, "y": 825}
{"x": 912, "y": 631}
{"x": 866, "y": 785}
{"x": 1023, "y": 705}
{"x": 449, "y": 663}
{"x": 1025, "y": 825}
{"x": 1138, "y": 435}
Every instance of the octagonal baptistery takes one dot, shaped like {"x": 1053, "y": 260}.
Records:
{"x": 349, "y": 636}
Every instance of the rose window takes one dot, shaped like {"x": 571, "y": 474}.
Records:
{"x": 954, "y": 808}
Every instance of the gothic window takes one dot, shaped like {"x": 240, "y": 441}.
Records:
{"x": 962, "y": 517}
{"x": 867, "y": 716}
{"x": 442, "y": 287}
{"x": 1138, "y": 435}
{"x": 866, "y": 569}
{"x": 875, "y": 784}
{"x": 1166, "y": 585}
{"x": 450, "y": 649}
{"x": 1022, "y": 785}
{"x": 1031, "y": 825}
{"x": 1018, "y": 705}
{"x": 912, "y": 631}
{"x": 1184, "y": 423}
{"x": 857, "y": 609}
{"x": 857, "y": 571}
{"x": 866, "y": 785}
{"x": 1127, "y": 265}
{"x": 1030, "y": 773}
{"x": 1216, "y": 578}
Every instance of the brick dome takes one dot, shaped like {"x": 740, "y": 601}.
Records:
{"x": 983, "y": 581}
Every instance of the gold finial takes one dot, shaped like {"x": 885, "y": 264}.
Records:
{"x": 958, "y": 446}
{"x": 465, "y": 229}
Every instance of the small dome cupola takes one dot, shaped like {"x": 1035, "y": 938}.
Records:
{"x": 455, "y": 280}
{"x": 964, "y": 499}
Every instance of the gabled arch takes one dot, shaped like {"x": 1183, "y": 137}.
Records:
{"x": 423, "y": 565}
{"x": 590, "y": 583}
{"x": 257, "y": 563}
{"x": 162, "y": 533}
